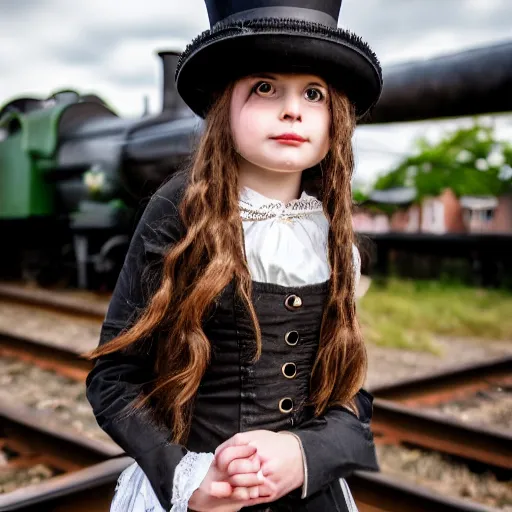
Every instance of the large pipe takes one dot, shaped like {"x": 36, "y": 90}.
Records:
{"x": 476, "y": 81}
{"x": 171, "y": 100}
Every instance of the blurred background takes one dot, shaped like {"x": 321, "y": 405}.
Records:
{"x": 90, "y": 125}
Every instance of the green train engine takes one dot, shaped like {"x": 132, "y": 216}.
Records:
{"x": 74, "y": 176}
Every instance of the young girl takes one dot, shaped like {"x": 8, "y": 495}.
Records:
{"x": 231, "y": 362}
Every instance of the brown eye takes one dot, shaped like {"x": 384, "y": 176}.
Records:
{"x": 263, "y": 88}
{"x": 313, "y": 95}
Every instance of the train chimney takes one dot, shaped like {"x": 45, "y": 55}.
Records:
{"x": 172, "y": 102}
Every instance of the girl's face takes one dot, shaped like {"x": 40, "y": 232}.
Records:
{"x": 280, "y": 122}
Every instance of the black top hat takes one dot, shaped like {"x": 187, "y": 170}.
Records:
{"x": 302, "y": 36}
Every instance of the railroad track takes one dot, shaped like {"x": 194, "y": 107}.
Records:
{"x": 403, "y": 415}
{"x": 412, "y": 411}
{"x": 372, "y": 492}
{"x": 45, "y": 470}
{"x": 46, "y": 463}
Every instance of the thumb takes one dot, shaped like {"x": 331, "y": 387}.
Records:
{"x": 220, "y": 489}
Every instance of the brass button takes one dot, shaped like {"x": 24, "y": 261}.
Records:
{"x": 286, "y": 405}
{"x": 292, "y": 302}
{"x": 291, "y": 338}
{"x": 289, "y": 370}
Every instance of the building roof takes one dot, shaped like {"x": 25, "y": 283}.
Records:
{"x": 397, "y": 195}
{"x": 479, "y": 202}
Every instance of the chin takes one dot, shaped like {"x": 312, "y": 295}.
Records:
{"x": 283, "y": 164}
{"x": 292, "y": 162}
{"x": 286, "y": 164}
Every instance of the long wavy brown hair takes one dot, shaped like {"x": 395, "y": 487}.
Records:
{"x": 211, "y": 255}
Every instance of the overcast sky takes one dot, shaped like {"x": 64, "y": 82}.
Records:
{"x": 108, "y": 47}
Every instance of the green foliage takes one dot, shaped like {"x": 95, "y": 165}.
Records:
{"x": 409, "y": 314}
{"x": 470, "y": 161}
{"x": 359, "y": 196}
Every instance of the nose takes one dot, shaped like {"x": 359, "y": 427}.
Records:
{"x": 291, "y": 108}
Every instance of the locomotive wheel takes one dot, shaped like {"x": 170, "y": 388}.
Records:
{"x": 46, "y": 267}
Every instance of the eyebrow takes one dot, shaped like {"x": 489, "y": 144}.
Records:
{"x": 318, "y": 84}
{"x": 263, "y": 75}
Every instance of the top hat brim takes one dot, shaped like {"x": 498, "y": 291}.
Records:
{"x": 231, "y": 51}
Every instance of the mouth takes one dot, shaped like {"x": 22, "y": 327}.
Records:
{"x": 289, "y": 138}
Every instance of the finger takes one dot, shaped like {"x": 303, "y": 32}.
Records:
{"x": 245, "y": 480}
{"x": 241, "y": 493}
{"x": 220, "y": 490}
{"x": 254, "y": 492}
{"x": 267, "y": 487}
{"x": 243, "y": 466}
{"x": 236, "y": 440}
{"x": 232, "y": 453}
{"x": 266, "y": 490}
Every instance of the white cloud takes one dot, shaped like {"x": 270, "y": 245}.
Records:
{"x": 108, "y": 47}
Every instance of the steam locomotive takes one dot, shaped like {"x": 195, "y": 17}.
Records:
{"x": 74, "y": 175}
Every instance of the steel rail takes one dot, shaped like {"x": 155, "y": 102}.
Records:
{"x": 87, "y": 490}
{"x": 65, "y": 360}
{"x": 398, "y": 416}
{"x": 377, "y": 492}
{"x": 62, "y": 362}
{"x": 54, "y": 300}
{"x": 402, "y": 424}
{"x": 46, "y": 425}
{"x": 442, "y": 379}
{"x": 81, "y": 466}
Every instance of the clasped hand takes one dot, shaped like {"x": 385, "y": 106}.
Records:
{"x": 250, "y": 468}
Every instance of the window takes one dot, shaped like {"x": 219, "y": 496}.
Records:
{"x": 487, "y": 215}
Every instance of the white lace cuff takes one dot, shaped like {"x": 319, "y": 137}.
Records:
{"x": 188, "y": 475}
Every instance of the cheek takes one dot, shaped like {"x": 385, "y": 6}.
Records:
{"x": 247, "y": 125}
{"x": 322, "y": 123}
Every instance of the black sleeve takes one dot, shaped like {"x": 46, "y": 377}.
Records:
{"x": 336, "y": 444}
{"x": 118, "y": 379}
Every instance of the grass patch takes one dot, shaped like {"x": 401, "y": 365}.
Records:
{"x": 408, "y": 314}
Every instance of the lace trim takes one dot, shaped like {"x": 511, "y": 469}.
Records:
{"x": 188, "y": 475}
{"x": 277, "y": 213}
{"x": 254, "y": 206}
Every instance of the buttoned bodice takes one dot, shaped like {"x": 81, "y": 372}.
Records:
{"x": 286, "y": 250}
{"x": 237, "y": 394}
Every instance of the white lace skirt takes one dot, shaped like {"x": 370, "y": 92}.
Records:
{"x": 135, "y": 494}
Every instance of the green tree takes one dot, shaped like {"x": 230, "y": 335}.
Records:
{"x": 470, "y": 161}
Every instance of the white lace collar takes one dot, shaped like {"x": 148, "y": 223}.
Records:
{"x": 256, "y": 206}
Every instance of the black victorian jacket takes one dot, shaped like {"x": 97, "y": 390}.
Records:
{"x": 235, "y": 395}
